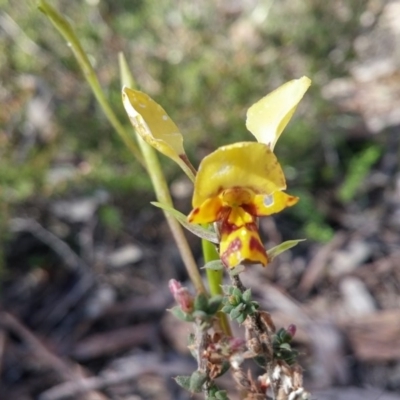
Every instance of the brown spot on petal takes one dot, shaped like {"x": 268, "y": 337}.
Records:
{"x": 256, "y": 246}
{"x": 250, "y": 209}
{"x": 228, "y": 228}
{"x": 292, "y": 200}
{"x": 252, "y": 227}
{"x": 193, "y": 213}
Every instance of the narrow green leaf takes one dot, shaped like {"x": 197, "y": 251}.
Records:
{"x": 275, "y": 251}
{"x": 285, "y": 346}
{"x": 183, "y": 381}
{"x": 197, "y": 381}
{"x": 236, "y": 312}
{"x": 214, "y": 304}
{"x": 178, "y": 313}
{"x": 182, "y": 219}
{"x": 227, "y": 289}
{"x": 237, "y": 270}
{"x": 201, "y": 315}
{"x": 280, "y": 335}
{"x": 236, "y": 292}
{"x": 225, "y": 367}
{"x": 227, "y": 309}
{"x": 201, "y": 302}
{"x": 246, "y": 295}
{"x": 222, "y": 395}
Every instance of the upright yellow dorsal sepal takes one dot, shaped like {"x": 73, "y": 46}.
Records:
{"x": 267, "y": 118}
{"x": 156, "y": 127}
{"x": 240, "y": 165}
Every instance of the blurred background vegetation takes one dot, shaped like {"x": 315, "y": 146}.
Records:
{"x": 206, "y": 62}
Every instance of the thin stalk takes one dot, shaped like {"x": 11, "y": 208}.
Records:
{"x": 66, "y": 30}
{"x": 163, "y": 196}
{"x": 214, "y": 279}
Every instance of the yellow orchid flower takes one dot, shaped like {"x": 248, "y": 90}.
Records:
{"x": 238, "y": 183}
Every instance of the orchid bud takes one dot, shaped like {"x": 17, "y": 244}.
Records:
{"x": 181, "y": 295}
{"x": 291, "y": 330}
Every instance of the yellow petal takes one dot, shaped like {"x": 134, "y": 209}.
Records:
{"x": 267, "y": 205}
{"x": 155, "y": 126}
{"x": 241, "y": 245}
{"x": 207, "y": 212}
{"x": 243, "y": 165}
{"x": 267, "y": 118}
{"x": 238, "y": 217}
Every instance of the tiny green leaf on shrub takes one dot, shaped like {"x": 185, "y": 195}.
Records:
{"x": 283, "y": 336}
{"x": 237, "y": 270}
{"x": 215, "y": 265}
{"x": 237, "y": 311}
{"x": 178, "y": 313}
{"x": 214, "y": 304}
{"x": 246, "y": 295}
{"x": 227, "y": 289}
{"x": 286, "y": 346}
{"x": 237, "y": 293}
{"x": 240, "y": 319}
{"x": 225, "y": 367}
{"x": 201, "y": 302}
{"x": 227, "y": 308}
{"x": 197, "y": 381}
{"x": 221, "y": 395}
{"x": 183, "y": 381}
{"x": 202, "y": 315}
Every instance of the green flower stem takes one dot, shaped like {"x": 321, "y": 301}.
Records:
{"x": 161, "y": 189}
{"x": 162, "y": 192}
{"x": 66, "y": 30}
{"x": 214, "y": 279}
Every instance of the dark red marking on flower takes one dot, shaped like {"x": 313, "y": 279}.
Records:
{"x": 224, "y": 213}
{"x": 233, "y": 247}
{"x": 194, "y": 212}
{"x": 291, "y": 201}
{"x": 227, "y": 227}
{"x": 250, "y": 209}
{"x": 255, "y": 245}
{"x": 252, "y": 227}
